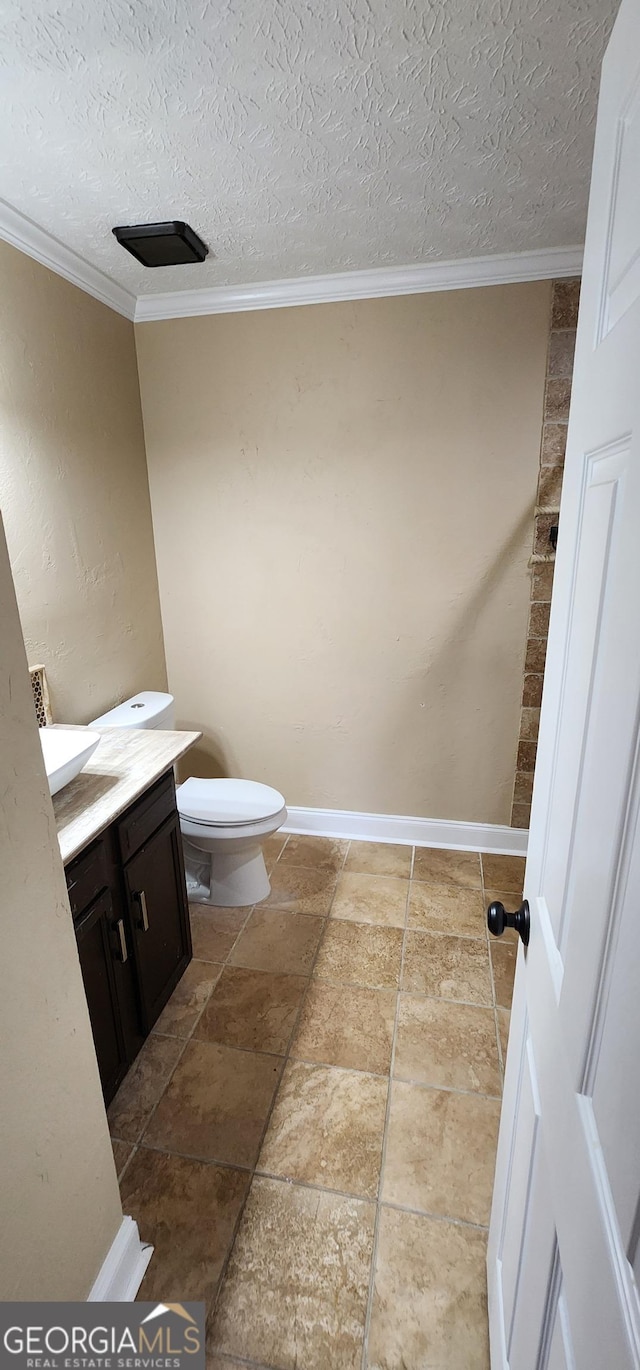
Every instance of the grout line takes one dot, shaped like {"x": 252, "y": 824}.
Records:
{"x": 436, "y": 1217}
{"x": 385, "y": 1133}
{"x": 368, "y": 1199}
{"x": 317, "y": 1188}
{"x": 426, "y": 1085}
{"x": 491, "y": 976}
{"x": 444, "y": 999}
{"x": 247, "y": 1169}
{"x": 440, "y": 932}
{"x": 496, "y": 1006}
{"x": 132, "y": 1153}
{"x": 232, "y": 1361}
{"x": 397, "y": 1079}
{"x": 210, "y": 1313}
{"x": 345, "y": 1070}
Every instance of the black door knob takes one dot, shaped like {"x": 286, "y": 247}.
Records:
{"x": 498, "y": 919}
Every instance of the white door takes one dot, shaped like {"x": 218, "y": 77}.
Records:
{"x": 565, "y": 1225}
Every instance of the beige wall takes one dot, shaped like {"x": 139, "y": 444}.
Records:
{"x": 343, "y": 498}
{"x": 59, "y": 1202}
{"x": 74, "y": 491}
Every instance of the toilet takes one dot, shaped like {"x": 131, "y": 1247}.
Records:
{"x": 223, "y": 822}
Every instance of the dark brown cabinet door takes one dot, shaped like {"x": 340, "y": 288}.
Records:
{"x": 159, "y": 917}
{"x": 100, "y": 938}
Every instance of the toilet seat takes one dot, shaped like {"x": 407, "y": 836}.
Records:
{"x": 227, "y": 803}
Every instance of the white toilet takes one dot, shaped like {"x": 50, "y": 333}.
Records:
{"x": 223, "y": 822}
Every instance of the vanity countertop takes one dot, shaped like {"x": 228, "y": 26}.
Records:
{"x": 125, "y": 763}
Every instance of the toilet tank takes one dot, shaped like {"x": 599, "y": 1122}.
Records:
{"x": 149, "y": 709}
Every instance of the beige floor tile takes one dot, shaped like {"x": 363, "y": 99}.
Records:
{"x": 360, "y": 954}
{"x": 188, "y": 999}
{"x": 503, "y": 872}
{"x": 279, "y": 941}
{"x": 326, "y": 1129}
{"x": 503, "y": 960}
{"x": 188, "y": 1211}
{"x": 223, "y": 920}
{"x": 449, "y": 967}
{"x": 295, "y": 1292}
{"x": 441, "y": 1152}
{"x": 447, "y": 908}
{"x": 215, "y": 1362}
{"x": 452, "y": 1046}
{"x": 254, "y": 1009}
{"x": 441, "y": 867}
{"x": 272, "y": 848}
{"x": 300, "y": 889}
{"x": 504, "y": 1020}
{"x": 379, "y": 858}
{"x": 214, "y": 931}
{"x": 216, "y": 1105}
{"x": 430, "y": 1306}
{"x": 346, "y": 1026}
{"x": 122, "y": 1151}
{"x": 321, "y": 853}
{"x": 140, "y": 1090}
{"x": 377, "y": 899}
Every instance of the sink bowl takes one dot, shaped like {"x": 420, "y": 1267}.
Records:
{"x": 65, "y": 752}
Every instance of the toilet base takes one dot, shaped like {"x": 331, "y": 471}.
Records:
{"x": 230, "y": 879}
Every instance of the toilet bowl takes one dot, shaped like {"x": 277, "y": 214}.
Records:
{"x": 223, "y": 825}
{"x": 223, "y": 822}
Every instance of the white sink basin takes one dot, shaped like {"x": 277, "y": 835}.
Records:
{"x": 65, "y": 752}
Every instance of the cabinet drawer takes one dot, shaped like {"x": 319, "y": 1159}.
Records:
{"x": 87, "y": 877}
{"x": 142, "y": 819}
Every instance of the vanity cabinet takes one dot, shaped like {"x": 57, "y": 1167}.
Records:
{"x": 129, "y": 904}
{"x": 152, "y": 880}
{"x": 95, "y": 932}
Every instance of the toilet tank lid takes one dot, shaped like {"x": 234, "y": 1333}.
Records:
{"x": 149, "y": 709}
{"x": 224, "y": 803}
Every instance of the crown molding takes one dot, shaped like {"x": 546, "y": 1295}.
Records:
{"x": 544, "y": 264}
{"x": 463, "y": 274}
{"x": 22, "y": 233}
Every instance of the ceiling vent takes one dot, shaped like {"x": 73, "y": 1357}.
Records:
{"x": 170, "y": 244}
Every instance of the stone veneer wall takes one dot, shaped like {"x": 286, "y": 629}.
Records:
{"x": 562, "y": 338}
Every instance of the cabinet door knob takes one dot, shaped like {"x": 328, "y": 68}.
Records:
{"x": 124, "y": 952}
{"x": 144, "y": 916}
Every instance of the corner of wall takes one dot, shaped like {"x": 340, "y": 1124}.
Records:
{"x": 563, "y": 321}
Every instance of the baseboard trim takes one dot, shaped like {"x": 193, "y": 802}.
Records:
{"x": 122, "y": 1270}
{"x": 423, "y": 832}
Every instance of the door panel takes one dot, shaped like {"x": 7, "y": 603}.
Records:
{"x": 560, "y": 1354}
{"x": 621, "y": 279}
{"x": 595, "y": 537}
{"x": 612, "y": 1076}
{"x": 570, "y": 1204}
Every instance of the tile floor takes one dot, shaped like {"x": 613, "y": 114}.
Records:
{"x": 308, "y": 1136}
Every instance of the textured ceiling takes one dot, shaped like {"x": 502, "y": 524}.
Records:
{"x": 301, "y": 138}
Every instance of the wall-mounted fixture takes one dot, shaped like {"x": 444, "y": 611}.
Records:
{"x": 553, "y": 535}
{"x": 170, "y": 244}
